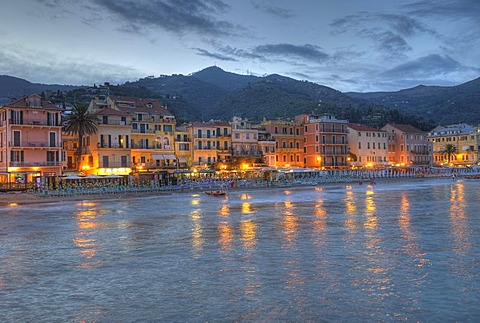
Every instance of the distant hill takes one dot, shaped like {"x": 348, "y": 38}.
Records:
{"x": 276, "y": 96}
{"x": 213, "y": 93}
{"x": 200, "y": 94}
{"x": 16, "y": 88}
{"x": 443, "y": 105}
{"x": 228, "y": 81}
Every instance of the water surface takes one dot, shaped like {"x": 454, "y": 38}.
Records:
{"x": 342, "y": 252}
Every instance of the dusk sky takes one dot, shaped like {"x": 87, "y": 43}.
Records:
{"x": 349, "y": 45}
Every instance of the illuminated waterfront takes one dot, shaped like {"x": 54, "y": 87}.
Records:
{"x": 407, "y": 250}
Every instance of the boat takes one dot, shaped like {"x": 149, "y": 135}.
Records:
{"x": 472, "y": 177}
{"x": 216, "y": 193}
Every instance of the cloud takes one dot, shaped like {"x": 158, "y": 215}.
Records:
{"x": 204, "y": 52}
{"x": 45, "y": 67}
{"x": 424, "y": 67}
{"x": 177, "y": 16}
{"x": 307, "y": 52}
{"x": 387, "y": 31}
{"x": 453, "y": 10}
{"x": 273, "y": 10}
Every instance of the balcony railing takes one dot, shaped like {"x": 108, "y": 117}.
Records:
{"x": 30, "y": 122}
{"x": 105, "y": 145}
{"x": 331, "y": 142}
{"x": 203, "y": 136}
{"x": 39, "y": 144}
{"x": 146, "y": 131}
{"x": 289, "y": 150}
{"x": 34, "y": 164}
{"x": 145, "y": 146}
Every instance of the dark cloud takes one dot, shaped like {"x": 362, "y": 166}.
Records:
{"x": 387, "y": 31}
{"x": 273, "y": 10}
{"x": 449, "y": 9}
{"x": 228, "y": 53}
{"x": 240, "y": 53}
{"x": 179, "y": 16}
{"x": 423, "y": 67}
{"x": 203, "y": 52}
{"x": 306, "y": 52}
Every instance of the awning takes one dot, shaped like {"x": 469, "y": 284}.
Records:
{"x": 156, "y": 156}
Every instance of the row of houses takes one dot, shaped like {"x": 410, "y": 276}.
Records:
{"x": 138, "y": 135}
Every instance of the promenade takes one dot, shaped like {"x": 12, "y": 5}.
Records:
{"x": 117, "y": 189}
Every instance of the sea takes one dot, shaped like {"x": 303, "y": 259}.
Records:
{"x": 391, "y": 251}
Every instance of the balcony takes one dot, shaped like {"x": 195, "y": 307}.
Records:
{"x": 34, "y": 144}
{"x": 211, "y": 136}
{"x": 205, "y": 148}
{"x": 145, "y": 146}
{"x": 143, "y": 131}
{"x": 117, "y": 146}
{"x": 30, "y": 122}
{"x": 331, "y": 142}
{"x": 35, "y": 164}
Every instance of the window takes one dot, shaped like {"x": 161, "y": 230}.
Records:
{"x": 104, "y": 119}
{"x": 52, "y": 139}
{"x": 16, "y": 139}
{"x": 105, "y": 161}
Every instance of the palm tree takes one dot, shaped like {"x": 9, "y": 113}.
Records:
{"x": 81, "y": 122}
{"x": 449, "y": 150}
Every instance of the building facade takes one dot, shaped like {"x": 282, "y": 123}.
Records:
{"x": 326, "y": 141}
{"x": 367, "y": 145}
{"x": 463, "y": 137}
{"x": 407, "y": 145}
{"x": 30, "y": 140}
{"x": 211, "y": 143}
{"x": 288, "y": 136}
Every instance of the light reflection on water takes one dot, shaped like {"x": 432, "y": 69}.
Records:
{"x": 399, "y": 251}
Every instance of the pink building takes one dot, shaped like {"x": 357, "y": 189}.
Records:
{"x": 407, "y": 145}
{"x": 30, "y": 141}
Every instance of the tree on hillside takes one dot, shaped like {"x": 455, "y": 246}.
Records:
{"x": 449, "y": 150}
{"x": 81, "y": 122}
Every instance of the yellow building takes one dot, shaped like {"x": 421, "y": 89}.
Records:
{"x": 211, "y": 143}
{"x": 463, "y": 137}
{"x": 183, "y": 147}
{"x": 134, "y": 135}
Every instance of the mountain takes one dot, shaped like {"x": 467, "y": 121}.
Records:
{"x": 16, "y": 88}
{"x": 228, "y": 81}
{"x": 443, "y": 105}
{"x": 213, "y": 93}
{"x": 277, "y": 96}
{"x": 217, "y": 94}
{"x": 200, "y": 94}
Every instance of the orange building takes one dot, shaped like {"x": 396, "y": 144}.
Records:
{"x": 288, "y": 136}
{"x": 30, "y": 141}
{"x": 326, "y": 141}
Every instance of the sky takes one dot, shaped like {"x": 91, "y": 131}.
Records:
{"x": 349, "y": 45}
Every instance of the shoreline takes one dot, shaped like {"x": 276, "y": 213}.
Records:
{"x": 25, "y": 198}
